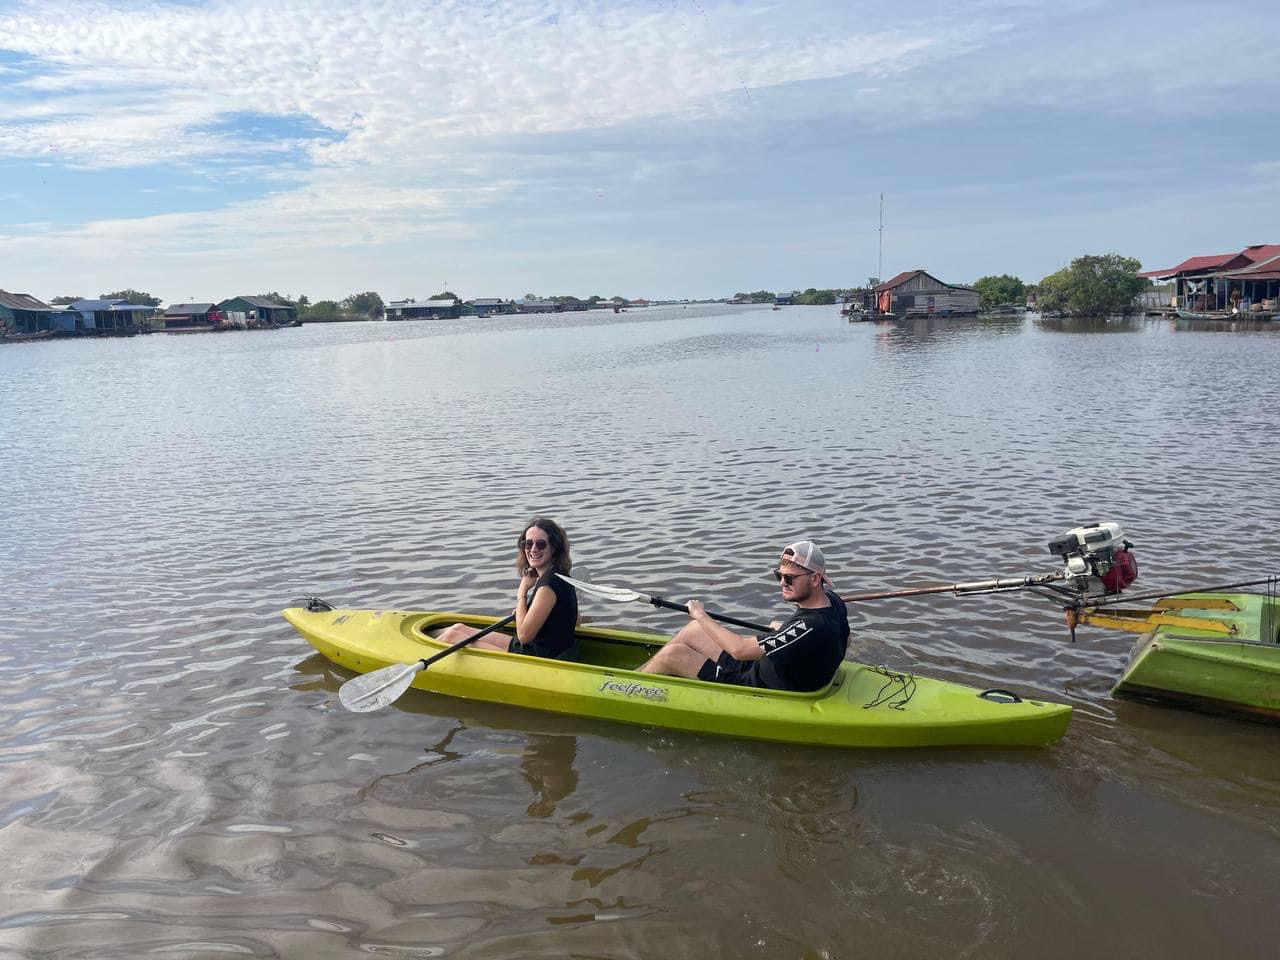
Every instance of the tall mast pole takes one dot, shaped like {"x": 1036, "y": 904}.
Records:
{"x": 880, "y": 254}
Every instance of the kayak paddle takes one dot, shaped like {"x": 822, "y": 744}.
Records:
{"x": 623, "y": 595}
{"x": 373, "y": 691}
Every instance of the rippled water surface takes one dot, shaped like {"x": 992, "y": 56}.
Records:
{"x": 178, "y": 778}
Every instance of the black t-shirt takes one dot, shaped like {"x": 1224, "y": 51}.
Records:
{"x": 805, "y": 652}
{"x": 557, "y": 638}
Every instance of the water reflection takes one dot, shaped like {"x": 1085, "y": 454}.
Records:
{"x": 1178, "y": 324}
{"x": 921, "y": 330}
{"x": 1116, "y": 324}
{"x": 547, "y": 766}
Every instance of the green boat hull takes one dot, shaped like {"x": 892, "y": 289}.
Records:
{"x": 862, "y": 707}
{"x": 1207, "y": 669}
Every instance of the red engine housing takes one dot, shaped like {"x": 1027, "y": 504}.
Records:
{"x": 1123, "y": 571}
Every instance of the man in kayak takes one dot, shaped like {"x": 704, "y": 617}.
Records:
{"x": 802, "y": 653}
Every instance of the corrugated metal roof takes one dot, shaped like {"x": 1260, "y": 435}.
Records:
{"x": 119, "y": 306}
{"x": 902, "y": 278}
{"x": 187, "y": 308}
{"x": 1250, "y": 254}
{"x": 21, "y": 301}
{"x": 264, "y": 302}
{"x": 1261, "y": 251}
{"x": 898, "y": 280}
{"x": 1268, "y": 269}
{"x": 1192, "y": 265}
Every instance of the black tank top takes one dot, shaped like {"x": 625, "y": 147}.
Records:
{"x": 557, "y": 637}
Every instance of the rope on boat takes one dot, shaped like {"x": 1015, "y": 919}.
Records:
{"x": 897, "y": 683}
{"x": 313, "y": 604}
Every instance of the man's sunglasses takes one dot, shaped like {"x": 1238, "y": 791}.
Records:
{"x": 533, "y": 544}
{"x": 788, "y": 578}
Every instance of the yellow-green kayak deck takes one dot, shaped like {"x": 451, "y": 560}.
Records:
{"x": 863, "y": 706}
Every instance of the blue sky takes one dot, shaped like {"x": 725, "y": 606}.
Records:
{"x": 659, "y": 149}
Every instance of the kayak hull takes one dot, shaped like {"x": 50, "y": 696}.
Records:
{"x": 1230, "y": 665}
{"x": 863, "y": 707}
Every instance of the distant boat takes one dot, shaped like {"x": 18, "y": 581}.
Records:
{"x": 1219, "y": 315}
{"x": 26, "y": 337}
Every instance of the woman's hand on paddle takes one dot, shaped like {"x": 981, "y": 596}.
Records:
{"x": 696, "y": 609}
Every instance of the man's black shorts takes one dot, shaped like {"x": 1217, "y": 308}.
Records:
{"x": 725, "y": 669}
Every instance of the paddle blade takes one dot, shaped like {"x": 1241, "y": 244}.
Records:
{"x": 616, "y": 594}
{"x": 373, "y": 691}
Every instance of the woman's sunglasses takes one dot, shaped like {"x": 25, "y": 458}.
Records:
{"x": 533, "y": 544}
{"x": 788, "y": 578}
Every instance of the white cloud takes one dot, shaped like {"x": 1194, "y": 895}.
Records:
{"x": 444, "y": 110}
{"x": 386, "y": 75}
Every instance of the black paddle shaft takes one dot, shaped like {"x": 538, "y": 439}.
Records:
{"x": 471, "y": 639}
{"x": 759, "y": 628}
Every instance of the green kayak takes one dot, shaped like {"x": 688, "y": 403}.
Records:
{"x": 863, "y": 706}
{"x": 1212, "y": 651}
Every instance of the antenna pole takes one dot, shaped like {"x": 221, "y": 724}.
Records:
{"x": 880, "y": 254}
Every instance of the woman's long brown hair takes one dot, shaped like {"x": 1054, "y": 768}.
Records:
{"x": 557, "y": 543}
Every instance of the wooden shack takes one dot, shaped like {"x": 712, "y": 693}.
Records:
{"x": 917, "y": 293}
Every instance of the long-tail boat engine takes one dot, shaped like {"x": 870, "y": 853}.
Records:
{"x": 1097, "y": 559}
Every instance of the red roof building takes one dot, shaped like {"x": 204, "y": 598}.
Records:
{"x": 1246, "y": 282}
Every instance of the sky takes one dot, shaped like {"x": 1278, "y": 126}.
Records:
{"x": 202, "y": 149}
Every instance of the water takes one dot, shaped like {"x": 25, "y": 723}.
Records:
{"x": 178, "y": 778}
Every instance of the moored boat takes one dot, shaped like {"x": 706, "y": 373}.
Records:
{"x": 26, "y": 337}
{"x": 1225, "y": 315}
{"x": 1218, "y": 652}
{"x": 864, "y": 706}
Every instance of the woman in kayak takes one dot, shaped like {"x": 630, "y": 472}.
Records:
{"x": 546, "y": 606}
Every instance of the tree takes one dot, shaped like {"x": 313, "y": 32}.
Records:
{"x": 132, "y": 296}
{"x": 63, "y": 301}
{"x": 812, "y": 296}
{"x": 445, "y": 295}
{"x": 993, "y": 291}
{"x": 532, "y": 296}
{"x": 324, "y": 310}
{"x": 1094, "y": 285}
{"x": 367, "y": 304}
{"x": 282, "y": 298}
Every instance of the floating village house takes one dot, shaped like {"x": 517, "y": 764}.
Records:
{"x": 424, "y": 309}
{"x": 537, "y": 306}
{"x": 920, "y": 294}
{"x": 1248, "y": 281}
{"x": 180, "y": 315}
{"x": 23, "y": 315}
{"x": 487, "y": 306}
{"x": 104, "y": 318}
{"x": 267, "y": 312}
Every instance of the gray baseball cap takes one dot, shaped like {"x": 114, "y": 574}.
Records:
{"x": 806, "y": 554}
